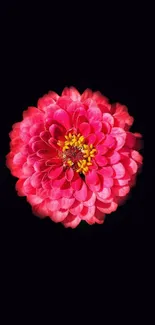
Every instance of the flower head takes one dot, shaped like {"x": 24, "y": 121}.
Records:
{"x": 74, "y": 156}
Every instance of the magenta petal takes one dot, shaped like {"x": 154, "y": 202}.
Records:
{"x": 137, "y": 156}
{"x": 120, "y": 136}
{"x": 84, "y": 129}
{"x": 19, "y": 159}
{"x": 63, "y": 118}
{"x": 106, "y": 207}
{"x": 119, "y": 170}
{"x": 101, "y": 149}
{"x": 56, "y": 131}
{"x": 39, "y": 165}
{"x": 109, "y": 141}
{"x": 101, "y": 160}
{"x": 96, "y": 125}
{"x": 76, "y": 208}
{"x": 69, "y": 174}
{"x": 106, "y": 171}
{"x": 92, "y": 177}
{"x": 91, "y": 138}
{"x": 67, "y": 192}
{"x": 100, "y": 136}
{"x": 32, "y": 159}
{"x": 108, "y": 182}
{"x": 76, "y": 182}
{"x": 55, "y": 172}
{"x": 59, "y": 182}
{"x": 82, "y": 193}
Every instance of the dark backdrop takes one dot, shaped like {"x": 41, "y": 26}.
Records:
{"x": 47, "y": 48}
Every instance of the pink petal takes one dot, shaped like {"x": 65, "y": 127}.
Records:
{"x": 136, "y": 156}
{"x": 72, "y": 224}
{"x": 45, "y": 136}
{"x": 27, "y": 170}
{"x": 55, "y": 172}
{"x": 86, "y": 94}
{"x": 82, "y": 193}
{"x": 32, "y": 159}
{"x": 80, "y": 111}
{"x": 31, "y": 111}
{"x": 108, "y": 182}
{"x": 56, "y": 131}
{"x": 45, "y": 102}
{"x": 67, "y": 193}
{"x": 106, "y": 171}
{"x": 34, "y": 199}
{"x": 104, "y": 194}
{"x": 28, "y": 188}
{"x": 101, "y": 160}
{"x": 120, "y": 136}
{"x": 91, "y": 198}
{"x": 62, "y": 117}
{"x": 55, "y": 193}
{"x": 35, "y": 129}
{"x": 64, "y": 102}
{"x": 40, "y": 165}
{"x": 84, "y": 129}
{"x": 94, "y": 113}
{"x": 96, "y": 125}
{"x": 36, "y": 179}
{"x": 120, "y": 191}
{"x": 109, "y": 141}
{"x": 19, "y": 187}
{"x": 76, "y": 182}
{"x": 130, "y": 140}
{"x": 100, "y": 136}
{"x": 113, "y": 157}
{"x": 66, "y": 203}
{"x": 92, "y": 177}
{"x": 39, "y": 145}
{"x": 54, "y": 95}
{"x": 101, "y": 149}
{"x": 108, "y": 118}
{"x": 131, "y": 166}
{"x": 87, "y": 212}
{"x": 91, "y": 139}
{"x": 106, "y": 207}
{"x": 72, "y": 93}
{"x": 69, "y": 174}
{"x": 106, "y": 127}
{"x": 19, "y": 159}
{"x": 59, "y": 182}
{"x": 59, "y": 216}
{"x": 53, "y": 205}
{"x": 76, "y": 208}
{"x": 119, "y": 170}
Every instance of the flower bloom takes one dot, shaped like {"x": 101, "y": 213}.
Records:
{"x": 74, "y": 156}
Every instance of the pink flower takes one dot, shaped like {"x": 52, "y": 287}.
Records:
{"x": 74, "y": 156}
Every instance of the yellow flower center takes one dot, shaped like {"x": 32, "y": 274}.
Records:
{"x": 76, "y": 153}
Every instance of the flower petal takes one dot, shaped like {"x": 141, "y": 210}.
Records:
{"x": 120, "y": 136}
{"x": 62, "y": 117}
{"x": 119, "y": 170}
{"x": 76, "y": 208}
{"x": 82, "y": 193}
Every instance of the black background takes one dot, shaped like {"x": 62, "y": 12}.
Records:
{"x": 47, "y": 47}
